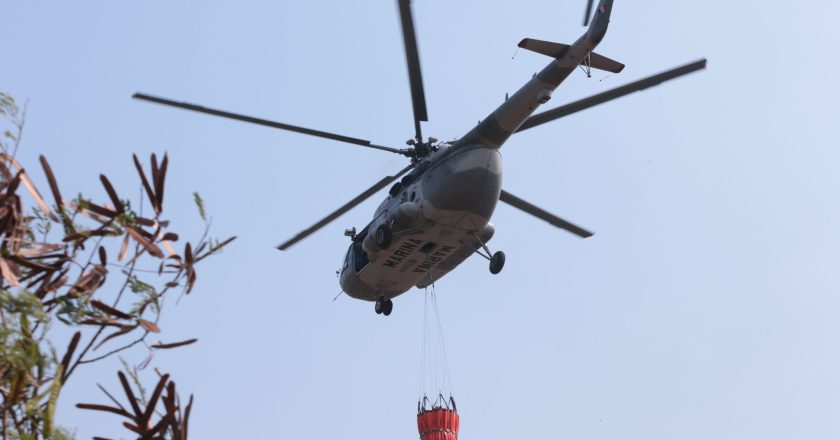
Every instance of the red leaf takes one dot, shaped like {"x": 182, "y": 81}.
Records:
{"x": 148, "y": 325}
{"x": 160, "y": 178}
{"x": 123, "y": 248}
{"x": 112, "y": 194}
{"x": 51, "y": 179}
{"x": 149, "y": 246}
{"x": 110, "y": 310}
{"x": 149, "y": 192}
{"x": 8, "y": 273}
{"x": 175, "y": 344}
{"x": 129, "y": 394}
{"x": 71, "y": 348}
{"x": 105, "y": 408}
{"x": 123, "y": 330}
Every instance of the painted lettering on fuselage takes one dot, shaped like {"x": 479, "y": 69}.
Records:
{"x": 402, "y": 252}
{"x": 432, "y": 260}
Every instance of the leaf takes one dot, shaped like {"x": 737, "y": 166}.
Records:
{"x": 56, "y": 193}
{"x": 148, "y": 325}
{"x": 101, "y": 322}
{"x": 188, "y": 255}
{"x": 161, "y": 424}
{"x": 169, "y": 249}
{"x": 145, "y": 221}
{"x": 130, "y": 394}
{"x": 103, "y": 257}
{"x": 17, "y": 387}
{"x": 112, "y": 194}
{"x": 29, "y": 186}
{"x": 191, "y": 278}
{"x": 200, "y": 204}
{"x": 101, "y": 210}
{"x": 106, "y": 408}
{"x": 109, "y": 310}
{"x": 149, "y": 192}
{"x": 154, "y": 168}
{"x": 186, "y": 420}
{"x": 123, "y": 248}
{"x": 149, "y": 246}
{"x": 37, "y": 252}
{"x": 174, "y": 344}
{"x": 132, "y": 427}
{"x": 150, "y": 407}
{"x": 123, "y": 330}
{"x": 90, "y": 280}
{"x": 8, "y": 273}
{"x": 71, "y": 348}
{"x": 55, "y": 389}
{"x": 160, "y": 178}
{"x": 51, "y": 180}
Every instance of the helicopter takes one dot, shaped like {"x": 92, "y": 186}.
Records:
{"x": 438, "y": 209}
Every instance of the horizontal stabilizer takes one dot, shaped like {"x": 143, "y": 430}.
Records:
{"x": 557, "y": 50}
{"x": 601, "y": 62}
{"x": 547, "y": 48}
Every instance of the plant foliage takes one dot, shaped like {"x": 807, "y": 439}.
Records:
{"x": 56, "y": 257}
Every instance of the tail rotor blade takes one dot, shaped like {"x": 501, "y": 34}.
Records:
{"x": 542, "y": 214}
{"x": 415, "y": 78}
{"x": 264, "y": 122}
{"x": 609, "y": 95}
{"x": 344, "y": 208}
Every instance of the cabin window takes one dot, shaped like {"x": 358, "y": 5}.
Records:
{"x": 395, "y": 189}
{"x": 360, "y": 257}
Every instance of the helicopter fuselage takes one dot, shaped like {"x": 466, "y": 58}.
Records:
{"x": 437, "y": 216}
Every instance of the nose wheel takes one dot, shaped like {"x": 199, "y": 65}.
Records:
{"x": 383, "y": 306}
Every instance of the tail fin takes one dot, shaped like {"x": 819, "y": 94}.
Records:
{"x": 557, "y": 50}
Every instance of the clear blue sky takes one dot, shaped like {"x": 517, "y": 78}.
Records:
{"x": 704, "y": 307}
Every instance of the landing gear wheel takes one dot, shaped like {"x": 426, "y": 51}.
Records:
{"x": 497, "y": 262}
{"x": 382, "y": 237}
{"x": 387, "y": 307}
{"x": 379, "y": 306}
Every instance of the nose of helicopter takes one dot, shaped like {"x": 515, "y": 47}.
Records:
{"x": 463, "y": 191}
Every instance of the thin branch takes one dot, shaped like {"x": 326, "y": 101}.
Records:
{"x": 101, "y": 329}
{"x": 20, "y": 123}
{"x": 141, "y": 339}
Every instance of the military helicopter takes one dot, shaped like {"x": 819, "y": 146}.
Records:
{"x": 437, "y": 212}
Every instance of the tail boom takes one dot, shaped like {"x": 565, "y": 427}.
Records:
{"x": 494, "y": 130}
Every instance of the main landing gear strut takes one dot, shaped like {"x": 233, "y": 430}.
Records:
{"x": 497, "y": 260}
{"x": 383, "y": 306}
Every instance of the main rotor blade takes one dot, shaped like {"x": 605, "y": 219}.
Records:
{"x": 609, "y": 95}
{"x": 346, "y": 207}
{"x": 418, "y": 96}
{"x": 588, "y": 12}
{"x": 265, "y": 122}
{"x": 540, "y": 213}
